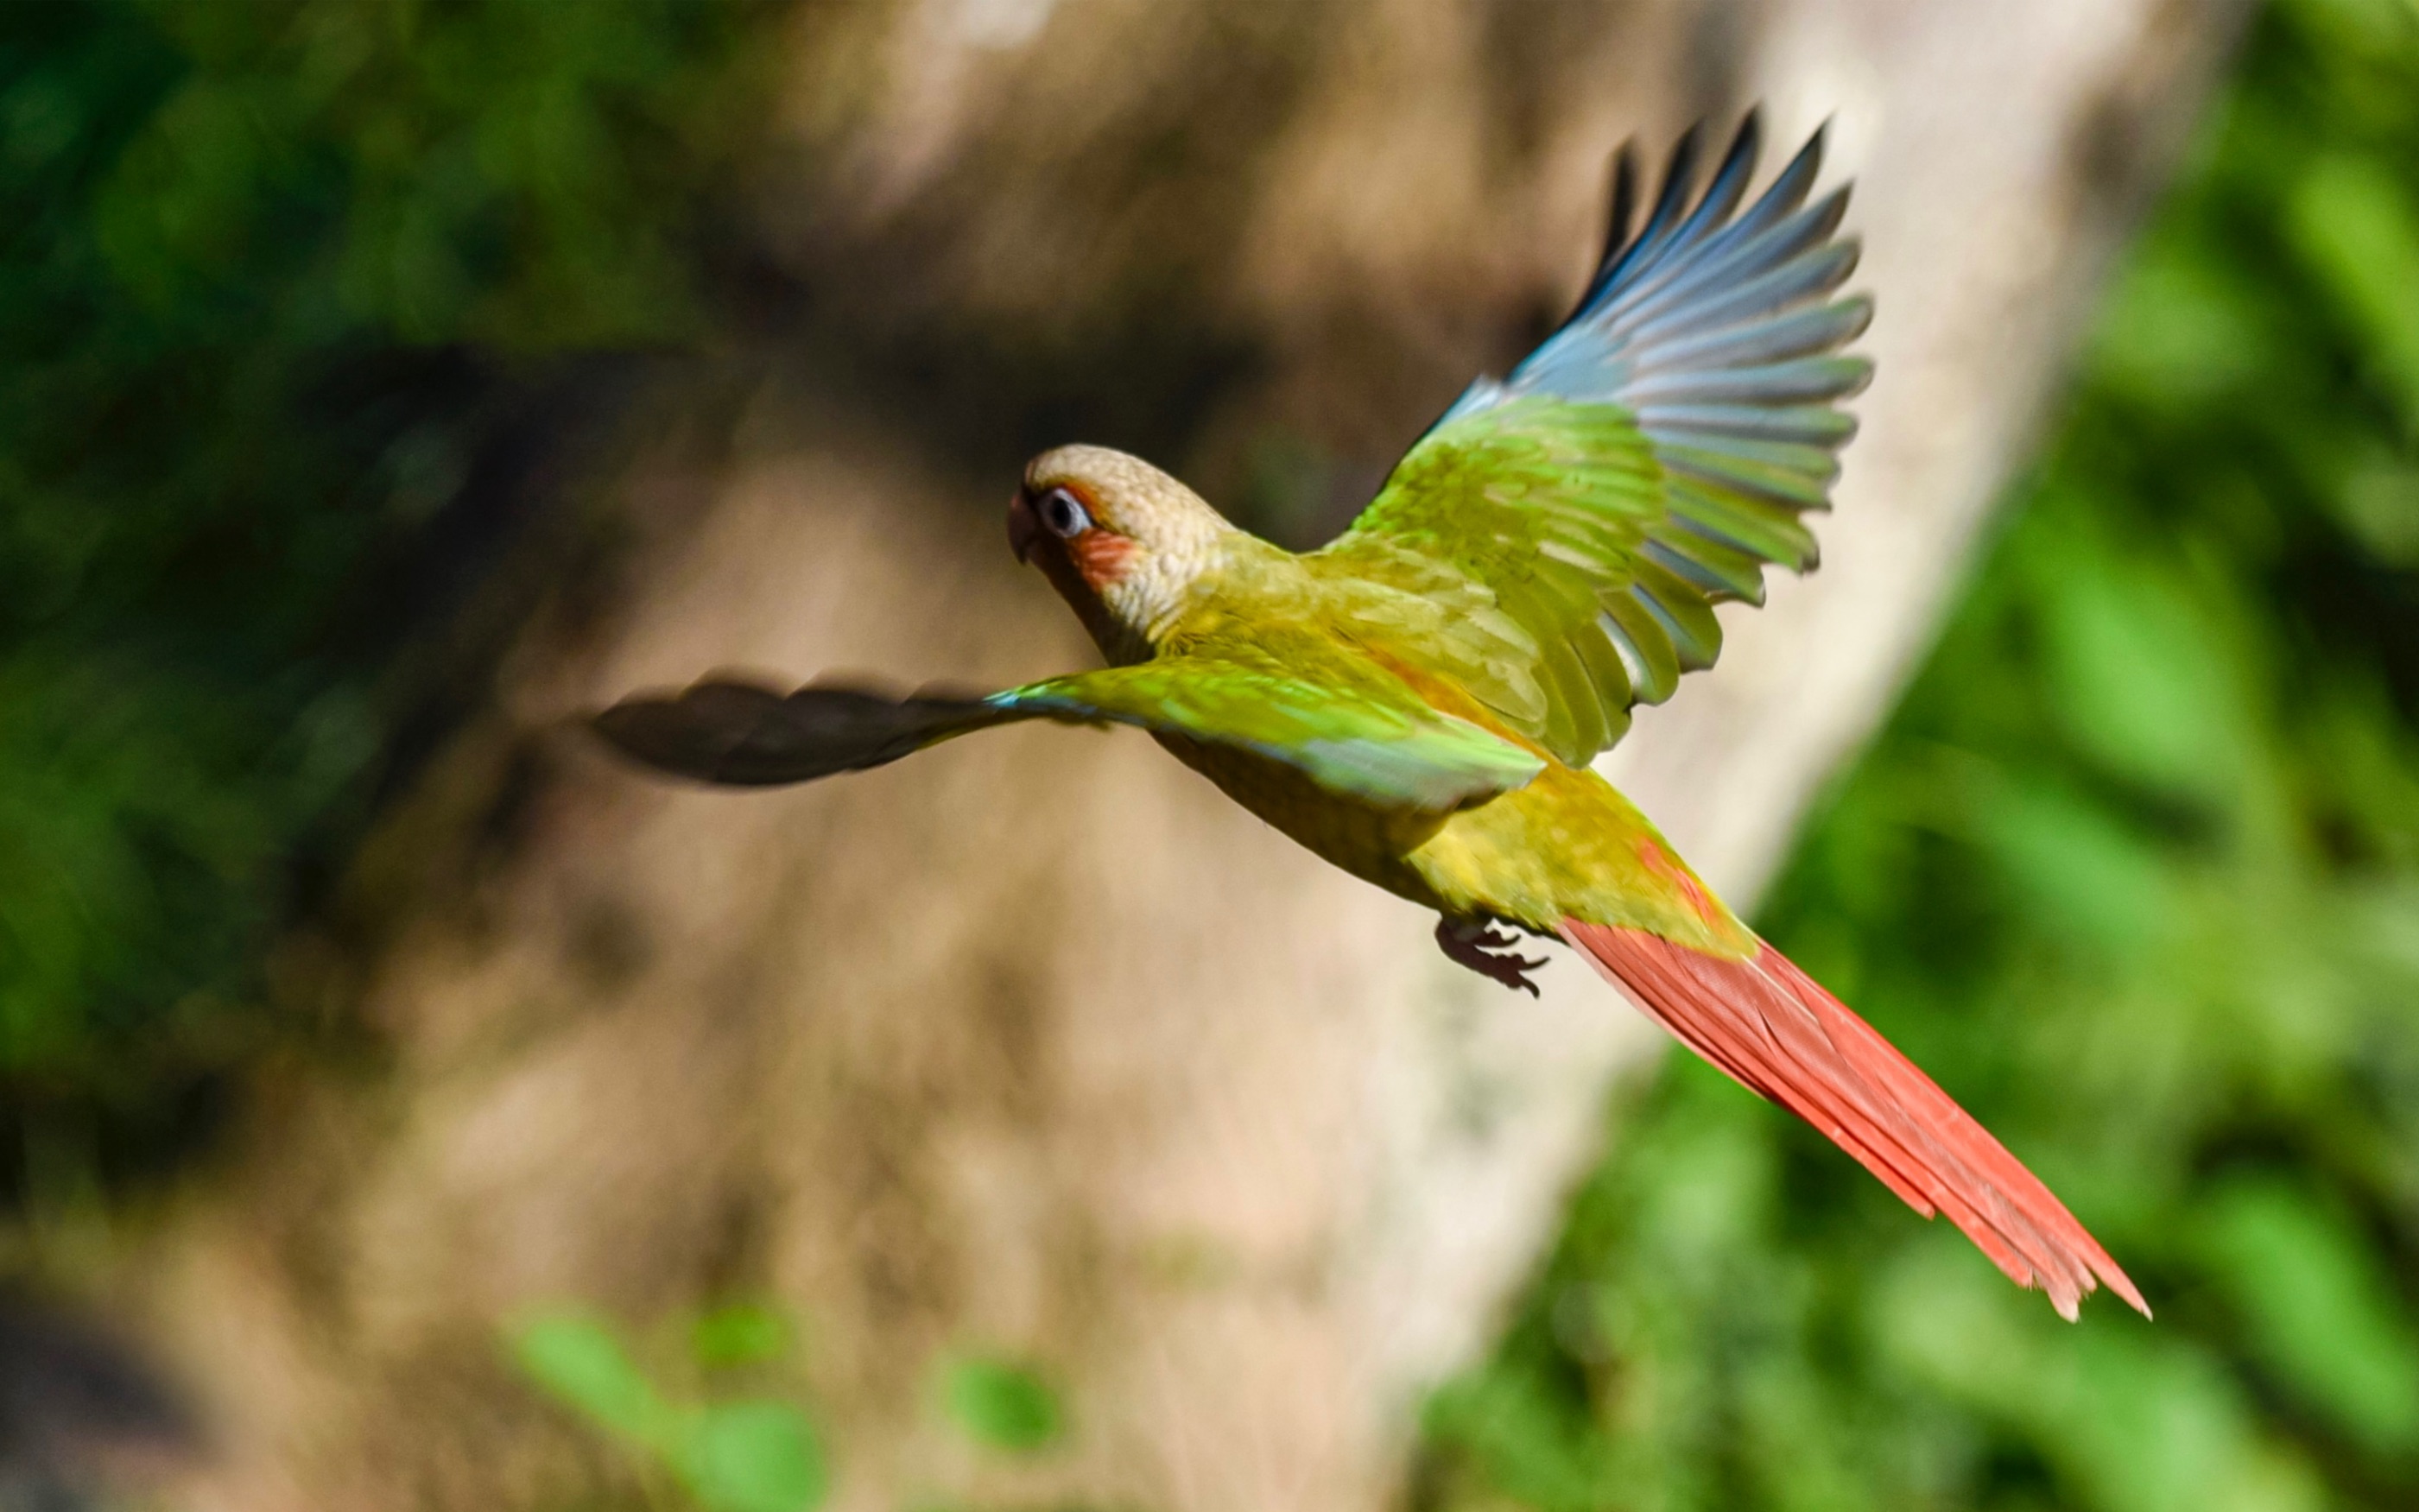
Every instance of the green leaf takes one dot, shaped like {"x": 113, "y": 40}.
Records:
{"x": 2318, "y": 1308}
{"x": 2379, "y": 504}
{"x": 2152, "y": 1426}
{"x": 578, "y": 1360}
{"x": 741, "y": 1333}
{"x": 2354, "y": 222}
{"x": 2178, "y": 332}
{"x": 2078, "y": 870}
{"x": 2142, "y": 676}
{"x": 754, "y": 1457}
{"x": 1002, "y": 1405}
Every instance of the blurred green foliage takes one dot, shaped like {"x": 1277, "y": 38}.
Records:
{"x": 271, "y": 274}
{"x": 759, "y": 1452}
{"x": 742, "y": 1333}
{"x": 1001, "y": 1404}
{"x": 747, "y": 1454}
{"x": 2134, "y": 872}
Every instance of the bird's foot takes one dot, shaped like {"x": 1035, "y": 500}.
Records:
{"x": 1488, "y": 950}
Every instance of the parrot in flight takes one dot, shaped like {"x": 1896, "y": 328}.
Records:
{"x": 1419, "y": 700}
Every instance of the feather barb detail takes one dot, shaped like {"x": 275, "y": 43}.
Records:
{"x": 1773, "y": 1029}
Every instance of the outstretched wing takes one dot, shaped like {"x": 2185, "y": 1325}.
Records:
{"x": 1358, "y": 732}
{"x": 1643, "y": 464}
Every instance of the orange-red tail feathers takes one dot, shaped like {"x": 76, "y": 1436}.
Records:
{"x": 1778, "y": 1034}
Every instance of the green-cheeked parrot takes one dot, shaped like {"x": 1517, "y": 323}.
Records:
{"x": 1418, "y": 700}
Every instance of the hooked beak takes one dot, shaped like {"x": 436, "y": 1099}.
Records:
{"x": 1022, "y": 526}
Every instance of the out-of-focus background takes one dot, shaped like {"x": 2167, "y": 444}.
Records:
{"x": 402, "y": 1106}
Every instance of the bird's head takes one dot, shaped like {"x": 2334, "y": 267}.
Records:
{"x": 1122, "y": 541}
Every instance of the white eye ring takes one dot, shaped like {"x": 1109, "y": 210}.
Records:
{"x": 1064, "y": 514}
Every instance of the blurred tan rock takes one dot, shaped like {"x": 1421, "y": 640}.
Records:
{"x": 1035, "y": 1044}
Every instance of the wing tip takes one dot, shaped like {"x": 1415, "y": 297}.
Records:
{"x": 684, "y": 733}
{"x": 732, "y": 730}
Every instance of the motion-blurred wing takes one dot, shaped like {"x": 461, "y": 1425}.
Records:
{"x": 744, "y": 735}
{"x": 1642, "y": 465}
{"x": 1362, "y": 735}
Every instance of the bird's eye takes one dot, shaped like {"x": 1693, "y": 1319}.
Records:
{"x": 1064, "y": 514}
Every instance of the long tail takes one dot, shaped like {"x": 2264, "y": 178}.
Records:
{"x": 1778, "y": 1034}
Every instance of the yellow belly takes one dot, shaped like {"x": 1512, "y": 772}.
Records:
{"x": 1568, "y": 845}
{"x": 1372, "y": 843}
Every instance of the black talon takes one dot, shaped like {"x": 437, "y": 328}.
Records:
{"x": 1477, "y": 944}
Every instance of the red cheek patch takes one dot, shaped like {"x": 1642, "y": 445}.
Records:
{"x": 1100, "y": 556}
